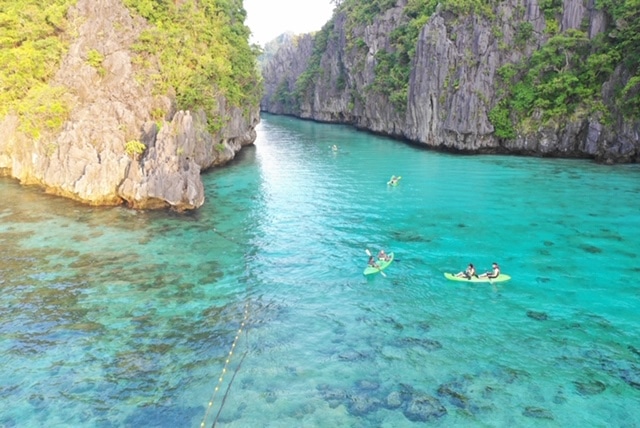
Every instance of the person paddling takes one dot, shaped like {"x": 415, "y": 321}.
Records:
{"x": 372, "y": 262}
{"x": 383, "y": 256}
{"x": 468, "y": 273}
{"x": 494, "y": 273}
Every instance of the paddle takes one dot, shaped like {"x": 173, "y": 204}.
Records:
{"x": 394, "y": 259}
{"x": 379, "y": 270}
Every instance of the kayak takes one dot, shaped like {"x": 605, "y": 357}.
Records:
{"x": 382, "y": 263}
{"x": 394, "y": 183}
{"x": 502, "y": 277}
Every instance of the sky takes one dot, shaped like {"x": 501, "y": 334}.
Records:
{"x": 267, "y": 19}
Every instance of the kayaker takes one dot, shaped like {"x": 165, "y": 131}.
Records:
{"x": 393, "y": 180}
{"x": 383, "y": 256}
{"x": 372, "y": 262}
{"x": 494, "y": 273}
{"x": 468, "y": 273}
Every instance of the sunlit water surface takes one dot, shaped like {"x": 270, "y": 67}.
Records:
{"x": 254, "y": 312}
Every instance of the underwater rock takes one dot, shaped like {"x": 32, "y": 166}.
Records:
{"x": 301, "y": 411}
{"x": 405, "y": 236}
{"x": 431, "y": 345}
{"x": 631, "y": 376}
{"x": 291, "y": 370}
{"x": 538, "y": 316}
{"x": 423, "y": 325}
{"x": 270, "y": 396}
{"x": 334, "y": 397}
{"x": 160, "y": 415}
{"x": 394, "y": 400}
{"x": 593, "y": 387}
{"x": 537, "y": 413}
{"x": 559, "y": 398}
{"x": 323, "y": 387}
{"x": 423, "y": 408}
{"x": 428, "y": 344}
{"x": 361, "y": 404}
{"x": 455, "y": 397}
{"x": 352, "y": 356}
{"x": 247, "y": 383}
{"x": 509, "y": 375}
{"x": 395, "y": 324}
{"x": 592, "y": 249}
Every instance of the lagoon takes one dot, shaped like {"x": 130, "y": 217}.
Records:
{"x": 253, "y": 311}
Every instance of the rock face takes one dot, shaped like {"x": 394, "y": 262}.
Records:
{"x": 280, "y": 76}
{"x": 453, "y": 85}
{"x": 87, "y": 159}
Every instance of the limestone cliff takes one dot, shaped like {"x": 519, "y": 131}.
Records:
{"x": 456, "y": 81}
{"x": 280, "y": 75}
{"x": 112, "y": 104}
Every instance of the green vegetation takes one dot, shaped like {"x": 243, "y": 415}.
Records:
{"x": 42, "y": 110}
{"x": 134, "y": 148}
{"x": 393, "y": 67}
{"x": 95, "y": 59}
{"x": 305, "y": 82}
{"x": 523, "y": 33}
{"x": 364, "y": 12}
{"x": 499, "y": 117}
{"x": 560, "y": 81}
{"x": 285, "y": 97}
{"x": 398, "y": 62}
{"x": 200, "y": 46}
{"x": 556, "y": 79}
{"x": 203, "y": 52}
{"x": 32, "y": 43}
{"x": 564, "y": 77}
{"x": 552, "y": 10}
{"x": 470, "y": 7}
{"x": 624, "y": 42}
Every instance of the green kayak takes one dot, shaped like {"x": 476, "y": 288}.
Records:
{"x": 382, "y": 263}
{"x": 502, "y": 277}
{"x": 394, "y": 182}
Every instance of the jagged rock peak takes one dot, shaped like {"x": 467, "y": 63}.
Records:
{"x": 122, "y": 142}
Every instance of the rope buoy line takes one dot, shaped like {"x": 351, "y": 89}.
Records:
{"x": 224, "y": 369}
{"x": 224, "y": 397}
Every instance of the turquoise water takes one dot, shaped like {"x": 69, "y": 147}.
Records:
{"x": 254, "y": 312}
